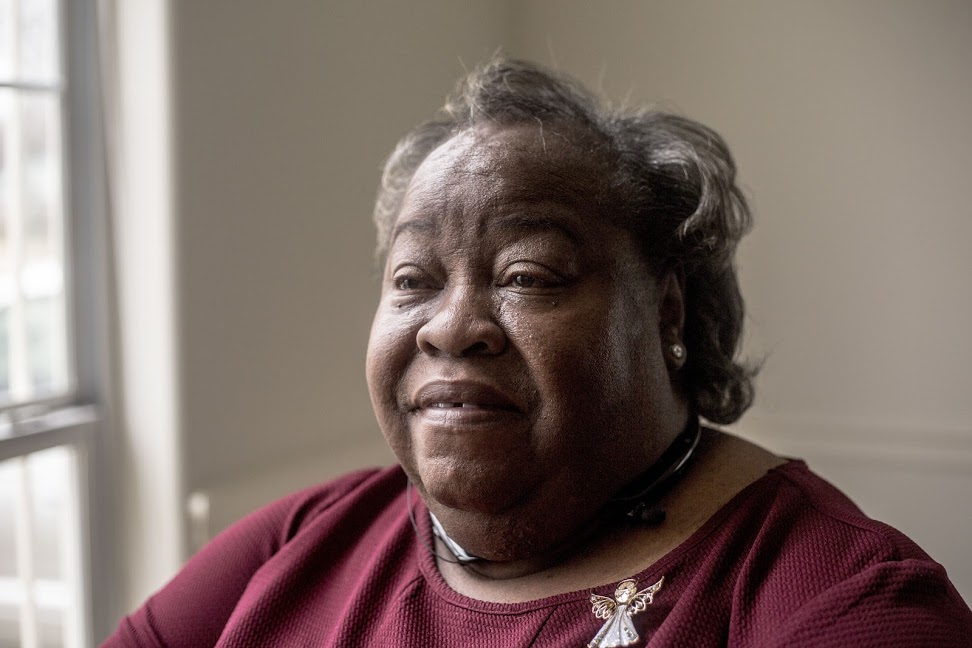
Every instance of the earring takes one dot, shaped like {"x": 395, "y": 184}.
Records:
{"x": 677, "y": 351}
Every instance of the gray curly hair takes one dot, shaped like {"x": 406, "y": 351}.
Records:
{"x": 673, "y": 178}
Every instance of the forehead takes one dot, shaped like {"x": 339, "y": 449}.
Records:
{"x": 526, "y": 162}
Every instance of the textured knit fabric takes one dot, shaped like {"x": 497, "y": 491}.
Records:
{"x": 790, "y": 561}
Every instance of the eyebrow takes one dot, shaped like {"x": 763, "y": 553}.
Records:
{"x": 517, "y": 221}
{"x": 534, "y": 223}
{"x": 420, "y": 225}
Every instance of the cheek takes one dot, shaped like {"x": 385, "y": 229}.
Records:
{"x": 592, "y": 369}
{"x": 386, "y": 364}
{"x": 565, "y": 353}
{"x": 390, "y": 347}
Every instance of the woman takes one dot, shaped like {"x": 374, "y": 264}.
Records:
{"x": 559, "y": 308}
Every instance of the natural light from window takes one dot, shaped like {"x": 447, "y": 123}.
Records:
{"x": 40, "y": 592}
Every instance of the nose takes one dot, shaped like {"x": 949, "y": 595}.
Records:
{"x": 462, "y": 325}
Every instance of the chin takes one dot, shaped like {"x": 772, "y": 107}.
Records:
{"x": 474, "y": 489}
{"x": 532, "y": 525}
{"x": 496, "y": 538}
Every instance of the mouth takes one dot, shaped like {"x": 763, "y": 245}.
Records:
{"x": 459, "y": 406}
{"x": 461, "y": 397}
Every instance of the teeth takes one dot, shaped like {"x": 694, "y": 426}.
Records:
{"x": 450, "y": 405}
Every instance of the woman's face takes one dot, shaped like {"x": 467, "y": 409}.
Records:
{"x": 515, "y": 361}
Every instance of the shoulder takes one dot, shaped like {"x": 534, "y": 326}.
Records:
{"x": 804, "y": 534}
{"x": 823, "y": 514}
{"x": 788, "y": 502}
{"x": 820, "y": 572}
{"x": 264, "y": 531}
{"x": 288, "y": 516}
{"x": 192, "y": 609}
{"x": 907, "y": 602}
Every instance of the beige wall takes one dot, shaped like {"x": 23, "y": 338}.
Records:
{"x": 285, "y": 112}
{"x": 249, "y": 137}
{"x": 850, "y": 125}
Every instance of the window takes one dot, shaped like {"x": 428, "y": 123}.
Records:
{"x": 33, "y": 336}
{"x": 46, "y": 433}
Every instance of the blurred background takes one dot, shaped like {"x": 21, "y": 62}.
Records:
{"x": 187, "y": 279}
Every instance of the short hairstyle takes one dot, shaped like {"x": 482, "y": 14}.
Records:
{"x": 673, "y": 178}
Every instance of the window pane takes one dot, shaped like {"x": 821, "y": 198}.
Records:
{"x": 39, "y": 584}
{"x": 29, "y": 41}
{"x": 33, "y": 334}
{"x": 4, "y": 346}
{"x": 7, "y": 41}
{"x": 9, "y": 610}
{"x": 52, "y": 519}
{"x": 37, "y": 55}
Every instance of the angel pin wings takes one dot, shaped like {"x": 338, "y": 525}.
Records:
{"x": 618, "y": 630}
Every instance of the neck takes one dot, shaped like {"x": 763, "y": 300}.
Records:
{"x": 636, "y": 504}
{"x": 723, "y": 466}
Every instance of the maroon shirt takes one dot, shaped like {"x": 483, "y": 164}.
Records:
{"x": 790, "y": 561}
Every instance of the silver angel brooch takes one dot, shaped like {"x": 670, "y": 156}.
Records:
{"x": 618, "y": 630}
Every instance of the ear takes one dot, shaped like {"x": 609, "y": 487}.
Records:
{"x": 671, "y": 314}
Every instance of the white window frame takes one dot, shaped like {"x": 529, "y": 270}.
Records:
{"x": 78, "y": 418}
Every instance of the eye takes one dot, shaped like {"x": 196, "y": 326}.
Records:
{"x": 410, "y": 279}
{"x": 408, "y": 283}
{"x": 525, "y": 281}
{"x": 530, "y": 277}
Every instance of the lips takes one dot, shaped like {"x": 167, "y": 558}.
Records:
{"x": 455, "y": 405}
{"x": 461, "y": 397}
{"x": 472, "y": 409}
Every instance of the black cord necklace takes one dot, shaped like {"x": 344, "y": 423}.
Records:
{"x": 638, "y": 501}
